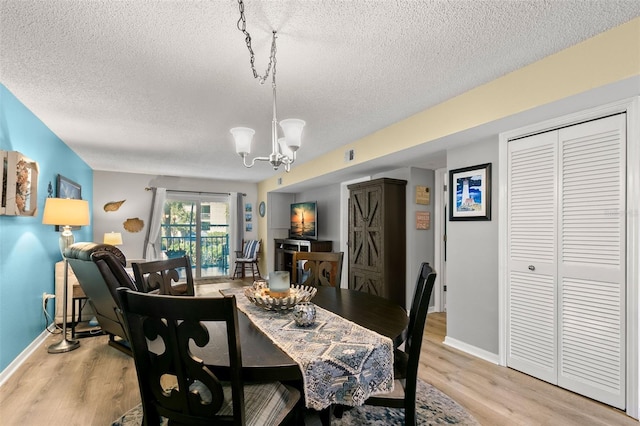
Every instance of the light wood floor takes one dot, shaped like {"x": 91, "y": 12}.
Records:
{"x": 95, "y": 384}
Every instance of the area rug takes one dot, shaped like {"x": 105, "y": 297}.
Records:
{"x": 433, "y": 408}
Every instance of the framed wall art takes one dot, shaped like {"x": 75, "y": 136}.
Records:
{"x": 66, "y": 188}
{"x": 470, "y": 193}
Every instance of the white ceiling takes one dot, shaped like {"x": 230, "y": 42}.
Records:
{"x": 153, "y": 86}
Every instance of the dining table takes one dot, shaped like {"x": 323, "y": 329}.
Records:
{"x": 263, "y": 360}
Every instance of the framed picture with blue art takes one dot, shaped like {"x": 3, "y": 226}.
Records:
{"x": 66, "y": 188}
{"x": 470, "y": 193}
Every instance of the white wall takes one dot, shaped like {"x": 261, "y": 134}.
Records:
{"x": 115, "y": 186}
{"x": 472, "y": 261}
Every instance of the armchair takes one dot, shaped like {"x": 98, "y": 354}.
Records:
{"x": 100, "y": 271}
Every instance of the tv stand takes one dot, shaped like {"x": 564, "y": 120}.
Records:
{"x": 284, "y": 249}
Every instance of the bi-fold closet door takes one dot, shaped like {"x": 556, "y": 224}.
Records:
{"x": 566, "y": 257}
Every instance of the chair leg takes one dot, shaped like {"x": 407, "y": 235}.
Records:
{"x": 410, "y": 414}
{"x": 237, "y": 272}
{"x": 255, "y": 271}
{"x": 325, "y": 416}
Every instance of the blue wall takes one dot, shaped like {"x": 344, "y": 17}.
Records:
{"x": 29, "y": 249}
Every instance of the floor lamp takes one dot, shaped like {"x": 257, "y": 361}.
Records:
{"x": 65, "y": 212}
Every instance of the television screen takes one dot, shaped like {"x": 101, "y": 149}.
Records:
{"x": 304, "y": 220}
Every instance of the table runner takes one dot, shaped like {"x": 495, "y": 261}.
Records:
{"x": 341, "y": 362}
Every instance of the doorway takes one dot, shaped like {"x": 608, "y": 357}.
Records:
{"x": 440, "y": 243}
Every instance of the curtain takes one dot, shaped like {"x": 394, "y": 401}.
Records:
{"x": 236, "y": 219}
{"x": 151, "y": 250}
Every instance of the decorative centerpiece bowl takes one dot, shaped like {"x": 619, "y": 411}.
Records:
{"x": 260, "y": 296}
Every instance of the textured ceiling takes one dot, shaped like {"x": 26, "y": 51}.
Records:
{"x": 151, "y": 86}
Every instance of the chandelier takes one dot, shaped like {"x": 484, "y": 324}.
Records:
{"x": 283, "y": 149}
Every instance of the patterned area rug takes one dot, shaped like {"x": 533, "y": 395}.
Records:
{"x": 433, "y": 408}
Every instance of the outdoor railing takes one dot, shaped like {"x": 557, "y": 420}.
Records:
{"x": 214, "y": 248}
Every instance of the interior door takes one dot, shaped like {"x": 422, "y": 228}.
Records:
{"x": 591, "y": 262}
{"x": 566, "y": 251}
{"x": 532, "y": 256}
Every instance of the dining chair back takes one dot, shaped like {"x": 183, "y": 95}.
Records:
{"x": 169, "y": 276}
{"x": 248, "y": 258}
{"x": 406, "y": 362}
{"x": 319, "y": 268}
{"x": 423, "y": 275}
{"x": 178, "y": 386}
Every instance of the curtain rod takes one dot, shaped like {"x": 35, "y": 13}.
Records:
{"x": 193, "y": 192}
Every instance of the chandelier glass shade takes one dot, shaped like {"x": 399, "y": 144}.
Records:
{"x": 283, "y": 149}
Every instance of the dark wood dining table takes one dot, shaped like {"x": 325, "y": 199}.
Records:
{"x": 262, "y": 360}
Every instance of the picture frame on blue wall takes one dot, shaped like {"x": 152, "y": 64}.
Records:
{"x": 470, "y": 193}
{"x": 66, "y": 188}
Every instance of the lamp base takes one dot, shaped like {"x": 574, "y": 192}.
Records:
{"x": 65, "y": 345}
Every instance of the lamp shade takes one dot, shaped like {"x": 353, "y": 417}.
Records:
{"x": 284, "y": 149}
{"x": 292, "y": 128}
{"x": 242, "y": 136}
{"x": 113, "y": 238}
{"x": 66, "y": 212}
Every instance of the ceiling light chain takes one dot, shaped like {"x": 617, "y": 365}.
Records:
{"x": 283, "y": 150}
{"x": 242, "y": 26}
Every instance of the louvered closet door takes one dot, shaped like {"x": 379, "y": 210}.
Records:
{"x": 591, "y": 267}
{"x": 532, "y": 225}
{"x": 566, "y": 289}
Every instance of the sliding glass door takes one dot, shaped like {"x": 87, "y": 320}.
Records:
{"x": 198, "y": 226}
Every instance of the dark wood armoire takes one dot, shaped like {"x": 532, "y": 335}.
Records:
{"x": 377, "y": 238}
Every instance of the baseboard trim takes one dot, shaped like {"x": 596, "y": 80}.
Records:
{"x": 23, "y": 356}
{"x": 472, "y": 350}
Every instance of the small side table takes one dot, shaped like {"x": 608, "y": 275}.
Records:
{"x": 78, "y": 297}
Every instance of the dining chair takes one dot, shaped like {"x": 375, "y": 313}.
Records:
{"x": 401, "y": 356}
{"x": 247, "y": 258}
{"x": 406, "y": 369}
{"x": 178, "y": 386}
{"x": 319, "y": 268}
{"x": 168, "y": 276}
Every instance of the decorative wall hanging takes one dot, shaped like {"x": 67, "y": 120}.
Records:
{"x": 470, "y": 193}
{"x": 423, "y": 195}
{"x": 113, "y": 206}
{"x": 423, "y": 220}
{"x": 133, "y": 224}
{"x": 19, "y": 195}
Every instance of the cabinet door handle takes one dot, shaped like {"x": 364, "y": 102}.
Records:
{"x": 532, "y": 268}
